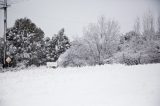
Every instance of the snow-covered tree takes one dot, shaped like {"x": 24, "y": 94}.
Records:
{"x": 158, "y": 24}
{"x": 23, "y": 38}
{"x": 142, "y": 48}
{"x": 100, "y": 42}
{"x": 56, "y": 46}
{"x": 132, "y": 46}
{"x": 148, "y": 25}
{"x": 103, "y": 38}
{"x": 137, "y": 26}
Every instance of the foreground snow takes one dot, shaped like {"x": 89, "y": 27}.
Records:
{"x": 108, "y": 85}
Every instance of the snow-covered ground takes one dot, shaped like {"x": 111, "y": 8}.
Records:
{"x": 108, "y": 85}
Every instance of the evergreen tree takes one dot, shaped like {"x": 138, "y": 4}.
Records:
{"x": 56, "y": 46}
{"x": 22, "y": 39}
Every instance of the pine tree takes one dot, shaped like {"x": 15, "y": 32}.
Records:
{"x": 56, "y": 46}
{"x": 22, "y": 40}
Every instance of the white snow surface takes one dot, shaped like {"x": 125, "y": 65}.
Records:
{"x": 107, "y": 85}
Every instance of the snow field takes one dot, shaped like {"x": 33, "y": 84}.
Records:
{"x": 107, "y": 85}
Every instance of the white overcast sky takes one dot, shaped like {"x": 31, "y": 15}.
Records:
{"x": 74, "y": 15}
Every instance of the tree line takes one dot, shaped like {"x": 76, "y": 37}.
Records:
{"x": 101, "y": 43}
{"x": 26, "y": 44}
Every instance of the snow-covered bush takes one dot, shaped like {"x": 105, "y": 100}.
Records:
{"x": 76, "y": 55}
{"x": 131, "y": 59}
{"x": 127, "y": 58}
{"x": 153, "y": 51}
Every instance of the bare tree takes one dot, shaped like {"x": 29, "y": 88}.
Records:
{"x": 103, "y": 38}
{"x": 100, "y": 42}
{"x": 158, "y": 24}
{"x": 148, "y": 25}
{"x": 137, "y": 25}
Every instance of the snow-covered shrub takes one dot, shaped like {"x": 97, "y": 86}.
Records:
{"x": 75, "y": 56}
{"x": 127, "y": 58}
{"x": 21, "y": 65}
{"x": 131, "y": 60}
{"x": 153, "y": 51}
